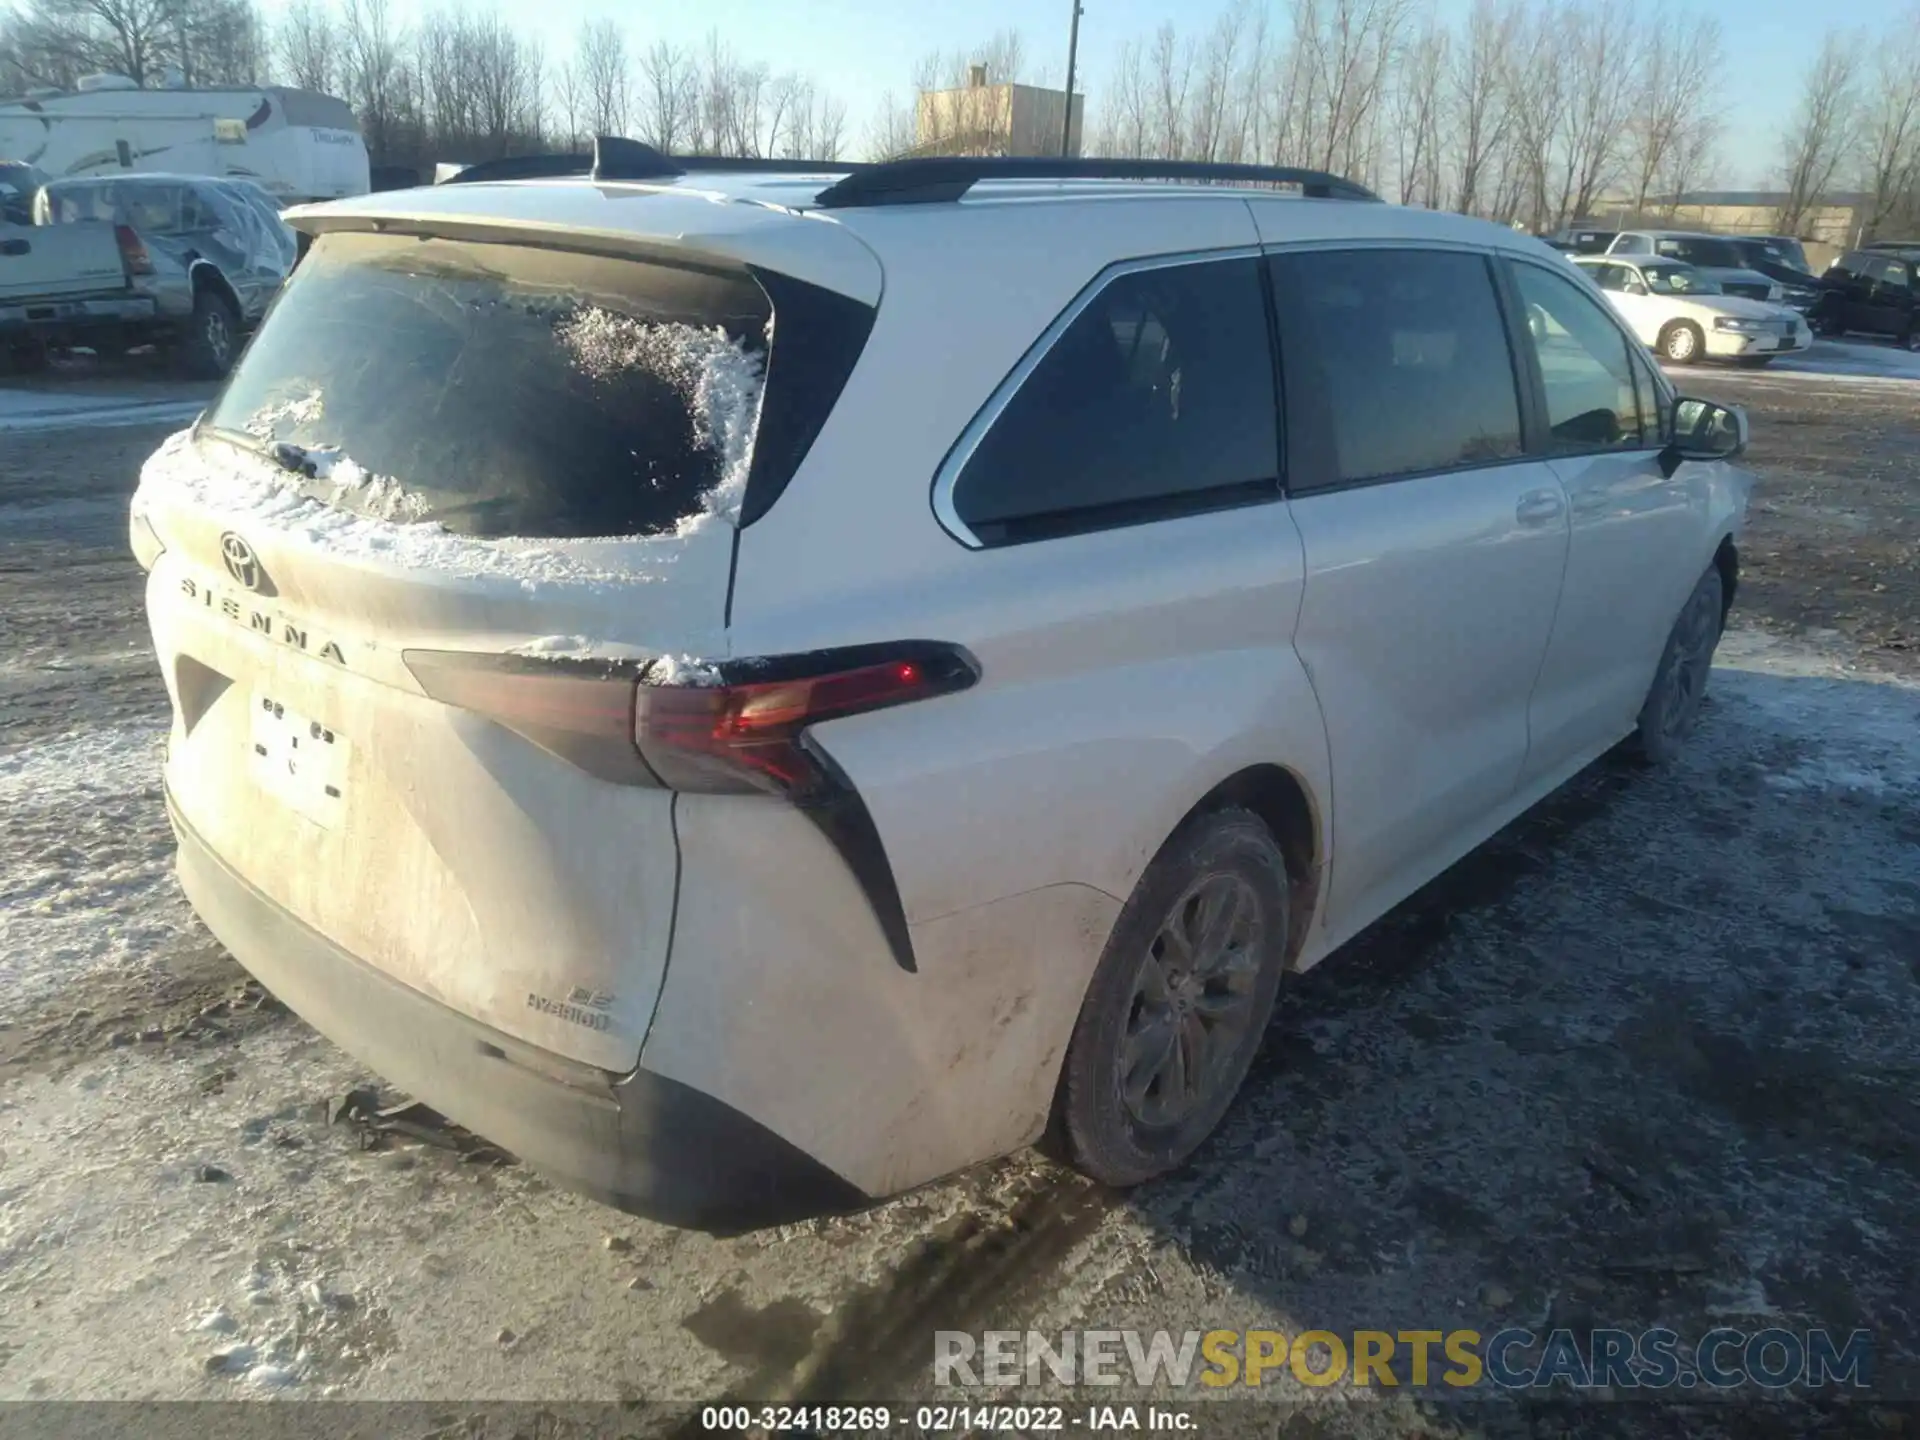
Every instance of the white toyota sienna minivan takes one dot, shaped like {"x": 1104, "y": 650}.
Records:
{"x": 755, "y": 690}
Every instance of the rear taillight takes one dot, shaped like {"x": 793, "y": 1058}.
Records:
{"x": 735, "y": 726}
{"x": 133, "y": 251}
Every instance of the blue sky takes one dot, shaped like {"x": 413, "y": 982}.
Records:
{"x": 858, "y": 48}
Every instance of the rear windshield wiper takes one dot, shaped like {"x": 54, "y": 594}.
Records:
{"x": 301, "y": 459}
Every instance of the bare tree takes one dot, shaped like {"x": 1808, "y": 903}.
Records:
{"x": 374, "y": 75}
{"x": 1689, "y": 161}
{"x": 1600, "y": 96}
{"x": 1417, "y": 113}
{"x": 308, "y": 46}
{"x": 600, "y": 59}
{"x": 1343, "y": 54}
{"x": 1674, "y": 95}
{"x": 1480, "y": 95}
{"x": 1539, "y": 81}
{"x": 669, "y": 97}
{"x": 1822, "y": 130}
{"x": 56, "y": 41}
{"x": 1172, "y": 79}
{"x": 1891, "y": 126}
{"x": 570, "y": 101}
{"x": 1123, "y": 114}
{"x": 829, "y": 129}
{"x": 893, "y": 130}
{"x": 1218, "y": 128}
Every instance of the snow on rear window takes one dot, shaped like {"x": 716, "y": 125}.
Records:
{"x": 507, "y": 390}
{"x": 718, "y": 379}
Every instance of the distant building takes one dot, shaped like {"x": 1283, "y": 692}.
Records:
{"x": 983, "y": 119}
{"x": 1836, "y": 220}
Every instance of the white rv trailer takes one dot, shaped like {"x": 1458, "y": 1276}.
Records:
{"x": 298, "y": 145}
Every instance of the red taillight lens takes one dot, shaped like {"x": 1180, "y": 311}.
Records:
{"x": 133, "y": 251}
{"x": 744, "y": 733}
{"x": 747, "y": 735}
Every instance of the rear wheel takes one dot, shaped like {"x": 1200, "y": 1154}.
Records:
{"x": 213, "y": 337}
{"x": 1680, "y": 684}
{"x": 1179, "y": 1003}
{"x": 1682, "y": 342}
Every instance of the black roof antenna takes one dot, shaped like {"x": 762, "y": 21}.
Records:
{"x": 617, "y": 158}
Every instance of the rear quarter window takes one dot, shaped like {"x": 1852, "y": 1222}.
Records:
{"x": 1156, "y": 399}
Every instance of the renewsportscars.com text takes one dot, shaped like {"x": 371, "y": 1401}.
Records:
{"x": 1513, "y": 1359}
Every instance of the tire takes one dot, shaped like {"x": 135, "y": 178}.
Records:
{"x": 1680, "y": 684}
{"x": 213, "y": 337}
{"x": 1682, "y": 342}
{"x": 1911, "y": 340}
{"x": 1112, "y": 1124}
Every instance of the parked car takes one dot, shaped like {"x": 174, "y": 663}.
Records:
{"x": 1874, "y": 292}
{"x": 1892, "y": 245}
{"x": 1676, "y": 310}
{"x": 208, "y": 254}
{"x": 730, "y": 886}
{"x": 1787, "y": 247}
{"x": 1714, "y": 255}
{"x": 1765, "y": 255}
{"x": 1579, "y": 241}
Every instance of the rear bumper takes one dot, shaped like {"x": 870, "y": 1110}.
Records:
{"x": 640, "y": 1142}
{"x": 56, "y": 316}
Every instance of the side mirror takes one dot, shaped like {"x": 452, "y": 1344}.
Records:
{"x": 1703, "y": 430}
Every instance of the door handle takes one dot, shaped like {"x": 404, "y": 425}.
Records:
{"x": 1539, "y": 507}
{"x": 14, "y": 247}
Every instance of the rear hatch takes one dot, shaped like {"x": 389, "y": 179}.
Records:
{"x": 66, "y": 262}
{"x": 456, "y": 496}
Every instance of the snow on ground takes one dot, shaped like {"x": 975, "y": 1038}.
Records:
{"x": 1853, "y": 357}
{"x": 87, "y": 886}
{"x": 1848, "y": 362}
{"x": 62, "y": 410}
{"x": 1861, "y": 740}
{"x": 177, "y": 1222}
{"x": 1854, "y": 360}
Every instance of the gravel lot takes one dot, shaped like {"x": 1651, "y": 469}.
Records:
{"x": 1648, "y": 1058}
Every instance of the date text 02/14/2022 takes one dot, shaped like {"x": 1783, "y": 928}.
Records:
{"x": 940, "y": 1419}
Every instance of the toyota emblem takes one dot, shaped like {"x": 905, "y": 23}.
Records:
{"x": 242, "y": 564}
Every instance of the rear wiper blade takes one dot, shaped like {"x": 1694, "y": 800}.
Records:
{"x": 302, "y": 459}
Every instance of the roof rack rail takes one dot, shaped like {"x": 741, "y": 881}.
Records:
{"x": 935, "y": 178}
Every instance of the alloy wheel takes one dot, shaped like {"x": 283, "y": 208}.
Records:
{"x": 1694, "y": 640}
{"x": 1192, "y": 1001}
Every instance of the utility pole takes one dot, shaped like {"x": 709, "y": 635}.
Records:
{"x": 1073, "y": 52}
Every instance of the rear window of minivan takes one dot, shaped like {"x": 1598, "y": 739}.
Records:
{"x": 504, "y": 389}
